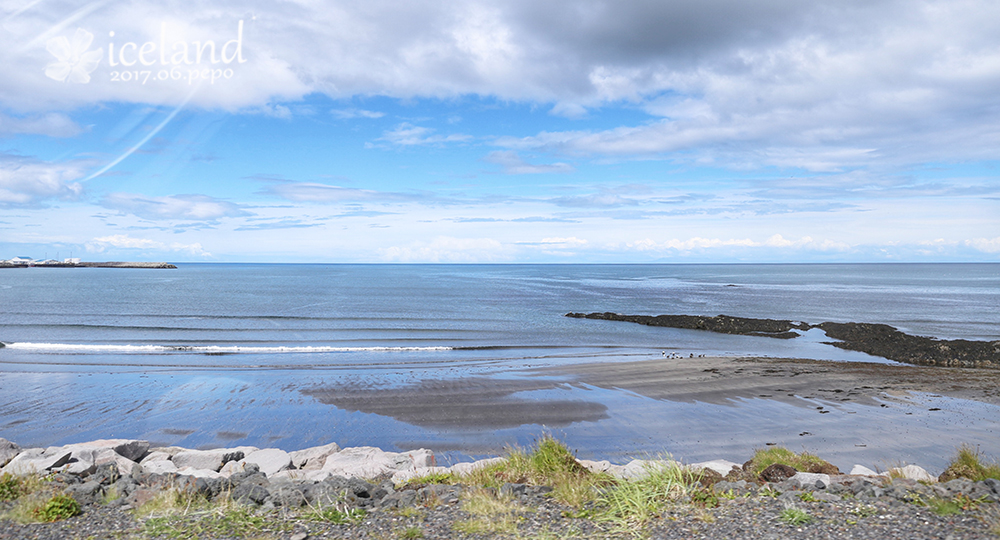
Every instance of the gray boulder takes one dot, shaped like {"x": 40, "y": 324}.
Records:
{"x": 270, "y": 460}
{"x": 313, "y": 458}
{"x": 810, "y": 480}
{"x": 36, "y": 460}
{"x": 7, "y": 451}
{"x": 369, "y": 462}
{"x": 211, "y": 460}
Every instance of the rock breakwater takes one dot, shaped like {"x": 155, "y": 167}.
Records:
{"x": 875, "y": 339}
{"x": 369, "y": 493}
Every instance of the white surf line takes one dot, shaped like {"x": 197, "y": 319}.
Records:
{"x": 147, "y": 349}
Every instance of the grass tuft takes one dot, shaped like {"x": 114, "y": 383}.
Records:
{"x": 804, "y": 462}
{"x": 411, "y": 533}
{"x": 629, "y": 505}
{"x": 969, "y": 463}
{"x": 58, "y": 507}
{"x": 496, "y": 514}
{"x": 795, "y": 516}
{"x": 550, "y": 463}
{"x": 10, "y": 487}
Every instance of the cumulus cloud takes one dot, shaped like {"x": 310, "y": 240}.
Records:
{"x": 186, "y": 207}
{"x": 823, "y": 85}
{"x": 29, "y": 182}
{"x": 449, "y": 250}
{"x": 124, "y": 241}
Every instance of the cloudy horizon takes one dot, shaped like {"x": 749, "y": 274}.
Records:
{"x": 467, "y": 131}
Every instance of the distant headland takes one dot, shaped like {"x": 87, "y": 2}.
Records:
{"x": 27, "y": 262}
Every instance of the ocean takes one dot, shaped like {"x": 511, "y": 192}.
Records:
{"x": 289, "y": 356}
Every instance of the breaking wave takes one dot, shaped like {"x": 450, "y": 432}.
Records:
{"x": 205, "y": 349}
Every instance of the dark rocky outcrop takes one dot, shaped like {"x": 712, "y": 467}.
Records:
{"x": 875, "y": 339}
{"x": 722, "y": 324}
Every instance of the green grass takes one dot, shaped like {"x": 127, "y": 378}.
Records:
{"x": 35, "y": 500}
{"x": 335, "y": 514}
{"x": 10, "y": 487}
{"x": 804, "y": 462}
{"x": 183, "y": 515}
{"x": 629, "y": 505}
{"x": 493, "y": 514}
{"x": 58, "y": 507}
{"x": 411, "y": 533}
{"x": 865, "y": 511}
{"x": 807, "y": 496}
{"x": 550, "y": 463}
{"x": 795, "y": 516}
{"x": 433, "y": 478}
{"x": 944, "y": 507}
{"x": 969, "y": 463}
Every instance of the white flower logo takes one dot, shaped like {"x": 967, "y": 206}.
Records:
{"x": 75, "y": 63}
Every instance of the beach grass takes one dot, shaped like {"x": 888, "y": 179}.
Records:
{"x": 628, "y": 505}
{"x": 795, "y": 516}
{"x": 492, "y": 513}
{"x": 35, "y": 500}
{"x": 803, "y": 462}
{"x": 970, "y": 463}
{"x": 549, "y": 463}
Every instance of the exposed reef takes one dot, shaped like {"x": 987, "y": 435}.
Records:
{"x": 875, "y": 339}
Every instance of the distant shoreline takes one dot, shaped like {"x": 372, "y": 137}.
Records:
{"x": 112, "y": 264}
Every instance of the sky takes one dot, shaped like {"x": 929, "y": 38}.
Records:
{"x": 452, "y": 131}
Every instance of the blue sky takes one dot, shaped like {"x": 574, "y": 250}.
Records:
{"x": 463, "y": 131}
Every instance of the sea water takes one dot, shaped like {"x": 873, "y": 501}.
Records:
{"x": 223, "y": 354}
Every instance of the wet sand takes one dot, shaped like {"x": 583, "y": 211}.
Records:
{"x": 502, "y": 402}
{"x": 720, "y": 380}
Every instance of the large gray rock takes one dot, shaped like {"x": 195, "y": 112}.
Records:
{"x": 157, "y": 456}
{"x": 912, "y": 472}
{"x": 720, "y": 466}
{"x": 159, "y": 466}
{"x": 211, "y": 460}
{"x": 313, "y": 458}
{"x": 7, "y": 451}
{"x": 270, "y": 460}
{"x": 36, "y": 460}
{"x": 369, "y": 462}
{"x": 861, "y": 470}
{"x": 811, "y": 480}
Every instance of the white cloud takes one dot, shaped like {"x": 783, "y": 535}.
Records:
{"x": 513, "y": 164}
{"x": 698, "y": 243}
{"x": 406, "y": 134}
{"x": 27, "y": 182}
{"x": 986, "y": 245}
{"x": 124, "y": 241}
{"x": 51, "y": 124}
{"x": 449, "y": 249}
{"x": 187, "y": 207}
{"x": 324, "y": 193}
{"x": 347, "y": 114}
{"x": 821, "y": 85}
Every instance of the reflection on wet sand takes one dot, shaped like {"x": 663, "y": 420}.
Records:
{"x": 472, "y": 403}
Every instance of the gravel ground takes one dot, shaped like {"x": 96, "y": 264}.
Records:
{"x": 751, "y": 517}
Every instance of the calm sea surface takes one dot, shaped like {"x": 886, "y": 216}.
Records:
{"x": 227, "y": 354}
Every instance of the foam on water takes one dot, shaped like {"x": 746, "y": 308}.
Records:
{"x": 208, "y": 349}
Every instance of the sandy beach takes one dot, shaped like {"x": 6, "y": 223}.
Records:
{"x": 721, "y": 379}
